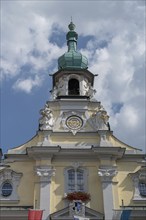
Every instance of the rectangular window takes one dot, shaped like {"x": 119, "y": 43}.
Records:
{"x": 76, "y": 180}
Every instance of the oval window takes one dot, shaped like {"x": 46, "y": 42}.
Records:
{"x": 7, "y": 189}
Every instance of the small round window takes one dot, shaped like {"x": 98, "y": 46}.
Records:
{"x": 7, "y": 189}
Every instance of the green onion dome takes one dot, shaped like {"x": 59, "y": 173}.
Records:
{"x": 72, "y": 59}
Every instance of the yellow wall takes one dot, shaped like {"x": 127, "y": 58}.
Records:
{"x": 28, "y": 189}
{"x": 125, "y": 185}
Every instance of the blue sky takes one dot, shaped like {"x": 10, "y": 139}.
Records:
{"x": 111, "y": 35}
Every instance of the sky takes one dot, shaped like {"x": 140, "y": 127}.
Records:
{"x": 112, "y": 37}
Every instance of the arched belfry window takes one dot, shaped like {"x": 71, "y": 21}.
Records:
{"x": 73, "y": 87}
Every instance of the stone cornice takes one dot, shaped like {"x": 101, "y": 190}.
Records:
{"x": 10, "y": 158}
{"x": 36, "y": 152}
{"x": 109, "y": 152}
{"x": 139, "y": 158}
{"x": 93, "y": 153}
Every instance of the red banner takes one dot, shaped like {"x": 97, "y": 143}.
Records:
{"x": 35, "y": 214}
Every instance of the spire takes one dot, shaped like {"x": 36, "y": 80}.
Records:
{"x": 72, "y": 37}
{"x": 72, "y": 59}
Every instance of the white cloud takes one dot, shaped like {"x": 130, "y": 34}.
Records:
{"x": 23, "y": 31}
{"x": 26, "y": 85}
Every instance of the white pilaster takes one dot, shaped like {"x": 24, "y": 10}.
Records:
{"x": 107, "y": 173}
{"x": 45, "y": 173}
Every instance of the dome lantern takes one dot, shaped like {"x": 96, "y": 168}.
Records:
{"x": 72, "y": 59}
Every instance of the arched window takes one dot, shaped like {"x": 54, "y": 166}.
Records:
{"x": 73, "y": 87}
{"x": 142, "y": 189}
{"x": 7, "y": 189}
{"x": 76, "y": 180}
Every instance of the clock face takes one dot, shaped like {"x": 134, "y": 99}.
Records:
{"x": 74, "y": 122}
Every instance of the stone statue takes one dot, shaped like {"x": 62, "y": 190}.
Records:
{"x": 46, "y": 121}
{"x": 100, "y": 119}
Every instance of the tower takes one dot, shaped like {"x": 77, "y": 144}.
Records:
{"x": 74, "y": 156}
{"x": 73, "y": 108}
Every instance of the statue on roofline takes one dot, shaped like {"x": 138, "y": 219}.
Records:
{"x": 46, "y": 121}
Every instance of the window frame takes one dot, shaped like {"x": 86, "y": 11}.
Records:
{"x": 8, "y": 175}
{"x": 85, "y": 174}
{"x": 137, "y": 178}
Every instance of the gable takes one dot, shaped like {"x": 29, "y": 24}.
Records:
{"x": 64, "y": 214}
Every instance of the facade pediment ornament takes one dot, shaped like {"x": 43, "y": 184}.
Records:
{"x": 74, "y": 210}
{"x": 76, "y": 165}
{"x": 140, "y": 175}
{"x": 73, "y": 121}
{"x": 8, "y": 174}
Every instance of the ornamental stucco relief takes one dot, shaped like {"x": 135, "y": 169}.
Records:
{"x": 73, "y": 121}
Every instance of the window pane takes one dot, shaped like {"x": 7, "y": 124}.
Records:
{"x": 71, "y": 180}
{"x": 142, "y": 189}
{"x": 71, "y": 176}
{"x": 80, "y": 180}
{"x": 80, "y": 188}
{"x": 7, "y": 189}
